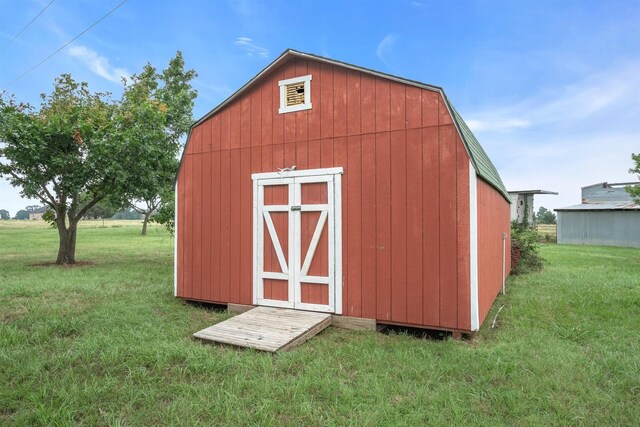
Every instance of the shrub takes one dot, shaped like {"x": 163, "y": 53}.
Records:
{"x": 525, "y": 256}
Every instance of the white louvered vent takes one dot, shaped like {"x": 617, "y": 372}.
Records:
{"x": 295, "y": 94}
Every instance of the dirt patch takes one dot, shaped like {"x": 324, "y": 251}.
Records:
{"x": 53, "y": 264}
{"x": 13, "y": 314}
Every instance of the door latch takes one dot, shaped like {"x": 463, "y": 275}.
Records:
{"x": 296, "y": 208}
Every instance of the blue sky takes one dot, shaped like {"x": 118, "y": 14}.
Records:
{"x": 550, "y": 88}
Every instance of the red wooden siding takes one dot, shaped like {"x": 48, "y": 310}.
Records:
{"x": 405, "y": 192}
{"x": 493, "y": 220}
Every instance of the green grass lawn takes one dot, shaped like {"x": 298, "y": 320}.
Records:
{"x": 107, "y": 344}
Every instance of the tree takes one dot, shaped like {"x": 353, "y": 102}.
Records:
{"x": 156, "y": 113}
{"x": 67, "y": 154}
{"x": 127, "y": 213}
{"x": 166, "y": 214}
{"x": 21, "y": 214}
{"x": 100, "y": 211}
{"x": 545, "y": 216}
{"x": 4, "y": 214}
{"x": 634, "y": 190}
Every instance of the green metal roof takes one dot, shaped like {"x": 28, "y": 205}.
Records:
{"x": 479, "y": 157}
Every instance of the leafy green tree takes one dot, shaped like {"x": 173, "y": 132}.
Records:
{"x": 127, "y": 213}
{"x": 21, "y": 214}
{"x": 634, "y": 190}
{"x": 67, "y": 154}
{"x": 525, "y": 250}
{"x": 166, "y": 214}
{"x": 545, "y": 216}
{"x": 4, "y": 214}
{"x": 100, "y": 211}
{"x": 156, "y": 113}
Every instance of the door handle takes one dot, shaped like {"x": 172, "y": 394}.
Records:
{"x": 296, "y": 208}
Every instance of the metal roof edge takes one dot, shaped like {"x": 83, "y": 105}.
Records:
{"x": 459, "y": 122}
{"x": 599, "y": 207}
{"x": 532, "y": 192}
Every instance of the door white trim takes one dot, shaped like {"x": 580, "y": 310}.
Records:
{"x": 295, "y": 269}
{"x": 335, "y": 269}
{"x": 297, "y": 174}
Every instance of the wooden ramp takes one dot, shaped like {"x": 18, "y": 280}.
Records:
{"x": 267, "y": 328}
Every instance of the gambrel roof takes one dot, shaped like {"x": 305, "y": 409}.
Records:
{"x": 479, "y": 158}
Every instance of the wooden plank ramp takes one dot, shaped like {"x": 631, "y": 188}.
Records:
{"x": 267, "y": 328}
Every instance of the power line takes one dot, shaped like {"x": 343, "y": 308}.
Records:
{"x": 63, "y": 46}
{"x": 26, "y": 26}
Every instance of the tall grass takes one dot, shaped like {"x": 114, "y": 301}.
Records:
{"x": 107, "y": 344}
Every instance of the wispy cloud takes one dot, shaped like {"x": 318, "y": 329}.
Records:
{"x": 246, "y": 44}
{"x": 385, "y": 47}
{"x": 567, "y": 137}
{"x": 497, "y": 125}
{"x": 615, "y": 89}
{"x": 217, "y": 89}
{"x": 565, "y": 164}
{"x": 240, "y": 6}
{"x": 97, "y": 63}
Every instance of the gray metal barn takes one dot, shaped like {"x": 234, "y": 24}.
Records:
{"x": 607, "y": 216}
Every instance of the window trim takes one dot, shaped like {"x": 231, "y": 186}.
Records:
{"x": 283, "y": 94}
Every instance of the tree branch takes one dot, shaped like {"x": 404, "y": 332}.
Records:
{"x": 88, "y": 206}
{"x": 141, "y": 211}
{"x": 51, "y": 201}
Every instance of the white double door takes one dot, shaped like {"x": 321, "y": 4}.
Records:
{"x": 297, "y": 247}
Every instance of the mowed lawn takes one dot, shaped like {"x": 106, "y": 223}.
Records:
{"x": 107, "y": 344}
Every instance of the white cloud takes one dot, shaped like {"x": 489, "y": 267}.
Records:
{"x": 385, "y": 47}
{"x": 98, "y": 64}
{"x": 599, "y": 94}
{"x": 567, "y": 137}
{"x": 566, "y": 164}
{"x": 246, "y": 44}
{"x": 215, "y": 88}
{"x": 497, "y": 125}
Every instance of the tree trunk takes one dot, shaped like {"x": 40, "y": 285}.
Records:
{"x": 67, "y": 247}
{"x": 144, "y": 224}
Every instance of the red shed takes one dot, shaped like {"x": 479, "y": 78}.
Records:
{"x": 324, "y": 186}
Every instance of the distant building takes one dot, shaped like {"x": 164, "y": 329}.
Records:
{"x": 522, "y": 204}
{"x": 37, "y": 214}
{"x": 607, "y": 216}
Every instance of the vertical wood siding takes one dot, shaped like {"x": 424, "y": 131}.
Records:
{"x": 493, "y": 220}
{"x": 405, "y": 193}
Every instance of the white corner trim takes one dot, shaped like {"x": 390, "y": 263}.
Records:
{"x": 283, "y": 94}
{"x": 175, "y": 242}
{"x": 473, "y": 246}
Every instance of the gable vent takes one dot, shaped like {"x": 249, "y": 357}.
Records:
{"x": 295, "y": 94}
